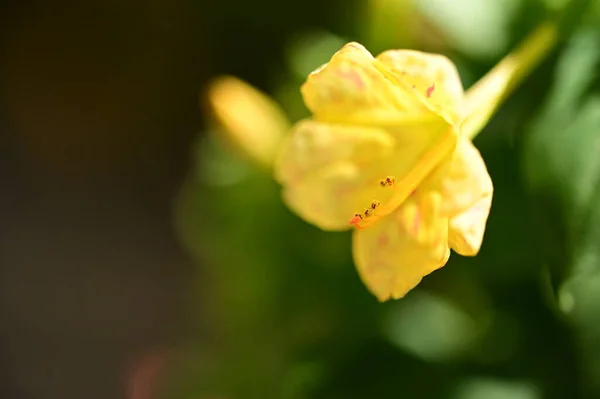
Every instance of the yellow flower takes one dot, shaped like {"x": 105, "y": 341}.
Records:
{"x": 388, "y": 151}
{"x": 250, "y": 121}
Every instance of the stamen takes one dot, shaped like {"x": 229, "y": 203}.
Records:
{"x": 358, "y": 217}
{"x": 356, "y": 220}
{"x": 387, "y": 182}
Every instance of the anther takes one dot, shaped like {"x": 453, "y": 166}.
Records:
{"x": 370, "y": 211}
{"x": 388, "y": 181}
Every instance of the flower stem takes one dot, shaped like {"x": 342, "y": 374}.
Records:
{"x": 485, "y": 96}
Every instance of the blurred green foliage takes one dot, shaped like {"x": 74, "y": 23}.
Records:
{"x": 521, "y": 320}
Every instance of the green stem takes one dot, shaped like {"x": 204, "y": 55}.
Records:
{"x": 484, "y": 98}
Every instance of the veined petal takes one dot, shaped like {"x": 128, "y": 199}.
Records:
{"x": 249, "y": 119}
{"x": 466, "y": 230}
{"x": 467, "y": 179}
{"x": 415, "y": 160}
{"x": 313, "y": 145}
{"x": 350, "y": 88}
{"x": 330, "y": 170}
{"x": 467, "y": 192}
{"x": 434, "y": 78}
{"x": 393, "y": 255}
{"x": 329, "y": 197}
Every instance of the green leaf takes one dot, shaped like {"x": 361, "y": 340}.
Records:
{"x": 562, "y": 169}
{"x": 561, "y": 152}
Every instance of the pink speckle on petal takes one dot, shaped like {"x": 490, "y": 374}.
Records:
{"x": 354, "y": 77}
{"x": 335, "y": 97}
{"x": 416, "y": 222}
{"x": 383, "y": 240}
{"x": 430, "y": 90}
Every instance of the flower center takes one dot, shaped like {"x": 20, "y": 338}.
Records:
{"x": 408, "y": 183}
{"x": 370, "y": 211}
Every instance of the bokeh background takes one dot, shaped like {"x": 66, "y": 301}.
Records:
{"x": 142, "y": 257}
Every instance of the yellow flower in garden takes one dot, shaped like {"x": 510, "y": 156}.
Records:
{"x": 388, "y": 151}
{"x": 248, "y": 119}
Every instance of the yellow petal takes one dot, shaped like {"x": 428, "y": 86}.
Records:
{"x": 467, "y": 192}
{"x": 329, "y": 198}
{"x": 252, "y": 122}
{"x": 393, "y": 255}
{"x": 466, "y": 230}
{"x": 328, "y": 170}
{"x": 433, "y": 76}
{"x": 351, "y": 88}
{"x": 417, "y": 157}
{"x": 313, "y": 145}
{"x": 331, "y": 171}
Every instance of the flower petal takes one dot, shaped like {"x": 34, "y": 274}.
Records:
{"x": 313, "y": 145}
{"x": 434, "y": 77}
{"x": 330, "y": 171}
{"x": 250, "y": 120}
{"x": 351, "y": 88}
{"x": 329, "y": 198}
{"x": 466, "y": 230}
{"x": 467, "y": 191}
{"x": 393, "y": 255}
{"x": 415, "y": 161}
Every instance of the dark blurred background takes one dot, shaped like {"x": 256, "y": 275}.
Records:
{"x": 140, "y": 258}
{"x": 99, "y": 110}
